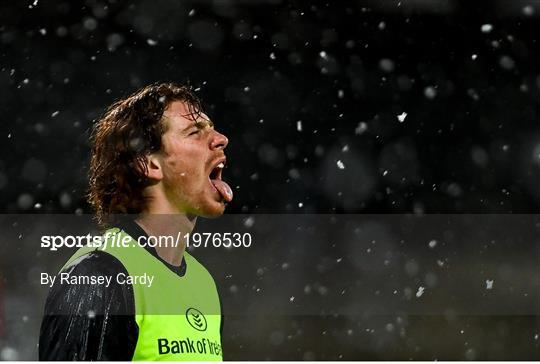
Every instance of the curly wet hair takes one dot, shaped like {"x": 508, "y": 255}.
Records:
{"x": 130, "y": 129}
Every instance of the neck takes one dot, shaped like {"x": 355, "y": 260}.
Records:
{"x": 170, "y": 231}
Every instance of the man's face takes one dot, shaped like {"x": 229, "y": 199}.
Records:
{"x": 192, "y": 159}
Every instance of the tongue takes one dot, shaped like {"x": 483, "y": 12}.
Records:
{"x": 224, "y": 189}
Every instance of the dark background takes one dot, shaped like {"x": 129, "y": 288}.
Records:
{"x": 470, "y": 141}
{"x": 465, "y": 73}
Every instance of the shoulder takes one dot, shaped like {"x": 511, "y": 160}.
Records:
{"x": 95, "y": 261}
{"x": 82, "y": 317}
{"x": 78, "y": 287}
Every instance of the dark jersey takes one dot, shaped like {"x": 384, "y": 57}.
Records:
{"x": 93, "y": 321}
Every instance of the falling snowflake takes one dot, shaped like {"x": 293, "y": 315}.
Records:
{"x": 9, "y": 354}
{"x": 340, "y": 164}
{"x": 486, "y": 28}
{"x": 401, "y": 117}
{"x": 432, "y": 244}
{"x": 430, "y": 92}
{"x": 361, "y": 128}
{"x": 386, "y": 65}
{"x": 420, "y": 291}
{"x": 528, "y": 10}
{"x": 507, "y": 62}
{"x": 299, "y": 125}
{"x": 249, "y": 222}
{"x": 489, "y": 284}
{"x": 440, "y": 263}
{"x": 151, "y": 42}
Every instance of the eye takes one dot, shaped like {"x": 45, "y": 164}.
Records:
{"x": 194, "y": 132}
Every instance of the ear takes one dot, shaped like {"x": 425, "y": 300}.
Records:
{"x": 153, "y": 167}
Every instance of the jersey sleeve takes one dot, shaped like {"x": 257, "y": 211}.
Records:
{"x": 89, "y": 321}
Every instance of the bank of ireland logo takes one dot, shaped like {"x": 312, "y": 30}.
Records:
{"x": 196, "y": 319}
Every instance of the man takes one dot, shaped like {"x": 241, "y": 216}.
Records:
{"x": 156, "y": 165}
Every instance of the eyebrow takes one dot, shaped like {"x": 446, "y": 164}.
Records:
{"x": 198, "y": 123}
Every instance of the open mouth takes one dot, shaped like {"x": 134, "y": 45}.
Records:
{"x": 221, "y": 186}
{"x": 217, "y": 171}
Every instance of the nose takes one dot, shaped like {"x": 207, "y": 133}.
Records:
{"x": 218, "y": 141}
